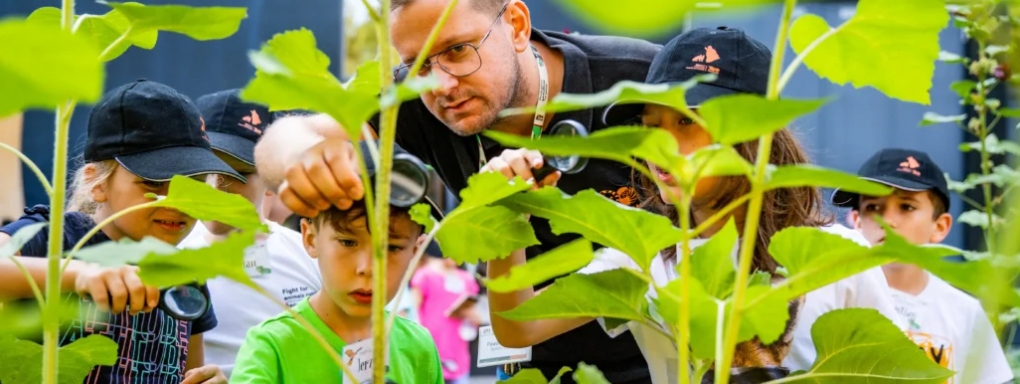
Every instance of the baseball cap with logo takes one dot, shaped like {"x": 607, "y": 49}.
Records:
{"x": 904, "y": 169}
{"x": 153, "y": 131}
{"x": 740, "y": 63}
{"x": 233, "y": 125}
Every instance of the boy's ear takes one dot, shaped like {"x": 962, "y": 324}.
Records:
{"x": 854, "y": 217}
{"x": 943, "y": 224}
{"x": 418, "y": 244}
{"x": 98, "y": 192}
{"x": 308, "y": 234}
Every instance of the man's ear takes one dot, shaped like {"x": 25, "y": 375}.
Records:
{"x": 943, "y": 224}
{"x": 519, "y": 18}
{"x": 308, "y": 233}
{"x": 98, "y": 192}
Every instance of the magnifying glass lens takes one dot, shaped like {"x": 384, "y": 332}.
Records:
{"x": 408, "y": 183}
{"x": 568, "y": 164}
{"x": 185, "y": 302}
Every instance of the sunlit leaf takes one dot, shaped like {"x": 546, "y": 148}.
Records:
{"x": 223, "y": 258}
{"x": 623, "y": 92}
{"x": 958, "y": 186}
{"x": 43, "y": 66}
{"x": 20, "y": 238}
{"x": 764, "y": 278}
{"x": 704, "y": 314}
{"x": 102, "y": 30}
{"x": 23, "y": 318}
{"x": 422, "y": 214}
{"x": 643, "y": 18}
{"x": 409, "y": 89}
{"x": 963, "y": 88}
{"x": 993, "y": 145}
{"x": 759, "y": 116}
{"x": 932, "y": 118}
{"x": 766, "y": 320}
{"x": 559, "y": 375}
{"x": 527, "y": 376}
{"x": 564, "y": 259}
{"x": 993, "y": 50}
{"x": 713, "y": 160}
{"x": 802, "y": 175}
{"x": 21, "y": 360}
{"x": 976, "y": 218}
{"x": 484, "y": 233}
{"x": 1009, "y": 112}
{"x": 638, "y": 233}
{"x": 203, "y": 202}
{"x": 487, "y": 188}
{"x": 199, "y": 23}
{"x": 589, "y": 374}
{"x": 855, "y": 346}
{"x": 616, "y": 293}
{"x": 951, "y": 58}
{"x": 712, "y": 262}
{"x": 877, "y": 47}
{"x": 124, "y": 252}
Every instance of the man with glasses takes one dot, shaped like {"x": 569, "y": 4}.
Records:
{"x": 488, "y": 58}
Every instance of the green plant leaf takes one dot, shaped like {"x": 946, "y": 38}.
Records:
{"x": 21, "y": 360}
{"x": 704, "y": 312}
{"x": 950, "y": 58}
{"x": 861, "y": 346}
{"x": 636, "y": 19}
{"x": 623, "y": 92}
{"x": 563, "y": 260}
{"x": 20, "y": 238}
{"x": 974, "y": 218}
{"x": 616, "y": 293}
{"x": 199, "y": 23}
{"x": 993, "y": 145}
{"x": 800, "y": 175}
{"x": 102, "y": 30}
{"x": 409, "y": 89}
{"x": 877, "y": 47}
{"x": 589, "y": 374}
{"x": 766, "y": 320}
{"x": 993, "y": 50}
{"x": 764, "y": 278}
{"x": 958, "y": 186}
{"x": 203, "y": 202}
{"x": 421, "y": 213}
{"x": 638, "y": 233}
{"x": 762, "y": 116}
{"x": 43, "y": 66}
{"x": 489, "y": 187}
{"x": 713, "y": 160}
{"x": 527, "y": 376}
{"x": 963, "y": 88}
{"x": 932, "y": 118}
{"x": 223, "y": 258}
{"x": 124, "y": 252}
{"x": 712, "y": 262}
{"x": 504, "y": 231}
{"x": 559, "y": 375}
{"x": 23, "y": 319}
{"x": 816, "y": 258}
{"x": 1009, "y": 112}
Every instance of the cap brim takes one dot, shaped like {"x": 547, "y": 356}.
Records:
{"x": 235, "y": 146}
{"x": 842, "y": 198}
{"x": 164, "y": 163}
{"x": 621, "y": 113}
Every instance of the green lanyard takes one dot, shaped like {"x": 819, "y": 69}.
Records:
{"x": 543, "y": 99}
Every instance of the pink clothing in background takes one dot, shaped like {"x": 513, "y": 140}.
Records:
{"x": 439, "y": 292}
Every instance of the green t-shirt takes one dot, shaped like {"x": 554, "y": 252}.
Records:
{"x": 280, "y": 350}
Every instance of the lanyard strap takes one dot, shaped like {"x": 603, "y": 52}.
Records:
{"x": 543, "y": 99}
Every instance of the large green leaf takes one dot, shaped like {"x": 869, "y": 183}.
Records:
{"x": 638, "y": 233}
{"x": 705, "y": 313}
{"x": 487, "y": 188}
{"x": 713, "y": 160}
{"x": 203, "y": 202}
{"x": 623, "y": 92}
{"x": 103, "y": 30}
{"x": 43, "y": 66}
{"x": 199, "y": 23}
{"x": 21, "y": 360}
{"x": 643, "y": 18}
{"x": 712, "y": 262}
{"x": 223, "y": 258}
{"x": 20, "y": 238}
{"x": 619, "y": 144}
{"x": 589, "y": 374}
{"x": 805, "y": 175}
{"x": 564, "y": 259}
{"x": 421, "y": 213}
{"x": 616, "y": 293}
{"x": 124, "y": 252}
{"x": 877, "y": 47}
{"x": 861, "y": 346}
{"x": 484, "y": 233}
{"x": 815, "y": 258}
{"x": 766, "y": 320}
{"x": 758, "y": 116}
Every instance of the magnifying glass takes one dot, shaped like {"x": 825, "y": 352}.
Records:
{"x": 182, "y": 302}
{"x": 408, "y": 181}
{"x": 566, "y": 164}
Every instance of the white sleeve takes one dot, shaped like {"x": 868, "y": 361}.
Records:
{"x": 607, "y": 259}
{"x": 985, "y": 362}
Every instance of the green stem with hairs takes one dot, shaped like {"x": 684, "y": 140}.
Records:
{"x": 380, "y": 227}
{"x": 683, "y": 337}
{"x": 749, "y": 235}
{"x": 107, "y": 54}
{"x": 719, "y": 215}
{"x": 31, "y": 165}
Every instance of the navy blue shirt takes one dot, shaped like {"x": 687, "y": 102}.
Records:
{"x": 152, "y": 347}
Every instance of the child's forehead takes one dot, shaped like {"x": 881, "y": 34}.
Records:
{"x": 902, "y": 194}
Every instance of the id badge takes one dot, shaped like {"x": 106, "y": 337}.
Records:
{"x": 491, "y": 353}
{"x": 359, "y": 359}
{"x": 256, "y": 259}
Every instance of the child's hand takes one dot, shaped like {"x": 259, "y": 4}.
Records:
{"x": 206, "y": 374}
{"x": 114, "y": 289}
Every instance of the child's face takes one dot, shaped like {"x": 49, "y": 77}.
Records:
{"x": 690, "y": 137}
{"x": 345, "y": 259}
{"x": 910, "y": 214}
{"x": 254, "y": 190}
{"x": 124, "y": 190}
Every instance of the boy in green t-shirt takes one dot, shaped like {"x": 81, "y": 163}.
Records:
{"x": 280, "y": 350}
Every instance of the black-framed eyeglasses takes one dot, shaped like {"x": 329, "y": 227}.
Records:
{"x": 459, "y": 60}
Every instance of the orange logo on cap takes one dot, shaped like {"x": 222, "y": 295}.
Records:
{"x": 710, "y": 56}
{"x": 203, "y": 128}
{"x": 250, "y": 122}
{"x": 910, "y": 166}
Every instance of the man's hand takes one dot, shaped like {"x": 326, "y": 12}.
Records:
{"x": 325, "y": 175}
{"x": 521, "y": 162}
{"x": 207, "y": 374}
{"x": 114, "y": 289}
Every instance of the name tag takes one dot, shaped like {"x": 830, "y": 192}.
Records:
{"x": 491, "y": 353}
{"x": 359, "y": 360}
{"x": 256, "y": 259}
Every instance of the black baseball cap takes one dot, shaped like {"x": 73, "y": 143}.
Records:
{"x": 740, "y": 63}
{"x": 904, "y": 169}
{"x": 409, "y": 179}
{"x": 153, "y": 131}
{"x": 234, "y": 125}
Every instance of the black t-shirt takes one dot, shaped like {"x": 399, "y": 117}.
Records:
{"x": 591, "y": 64}
{"x": 152, "y": 347}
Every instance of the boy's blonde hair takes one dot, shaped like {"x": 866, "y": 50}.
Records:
{"x": 84, "y": 182}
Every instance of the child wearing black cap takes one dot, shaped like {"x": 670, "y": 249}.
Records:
{"x": 139, "y": 136}
{"x": 277, "y": 262}
{"x": 741, "y": 65}
{"x": 280, "y": 350}
{"x": 949, "y": 325}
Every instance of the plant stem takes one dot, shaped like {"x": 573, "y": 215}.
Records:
{"x": 410, "y": 272}
{"x": 420, "y": 60}
{"x": 799, "y": 59}
{"x": 108, "y": 51}
{"x": 372, "y": 13}
{"x": 721, "y": 214}
{"x": 31, "y": 165}
{"x": 683, "y": 337}
{"x": 749, "y": 236}
{"x": 98, "y": 227}
{"x": 51, "y": 311}
{"x": 380, "y": 233}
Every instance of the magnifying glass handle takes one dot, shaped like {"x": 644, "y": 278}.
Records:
{"x": 541, "y": 173}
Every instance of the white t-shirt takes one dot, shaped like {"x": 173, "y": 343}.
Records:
{"x": 952, "y": 329}
{"x": 868, "y": 289}
{"x": 279, "y": 264}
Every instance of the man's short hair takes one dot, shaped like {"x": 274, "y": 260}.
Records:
{"x": 487, "y": 6}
